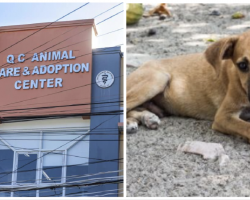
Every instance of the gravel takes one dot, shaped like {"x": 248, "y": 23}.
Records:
{"x": 154, "y": 167}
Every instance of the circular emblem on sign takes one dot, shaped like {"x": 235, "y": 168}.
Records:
{"x": 105, "y": 79}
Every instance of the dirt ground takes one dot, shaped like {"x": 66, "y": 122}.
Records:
{"x": 154, "y": 167}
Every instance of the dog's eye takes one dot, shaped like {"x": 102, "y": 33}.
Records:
{"x": 243, "y": 66}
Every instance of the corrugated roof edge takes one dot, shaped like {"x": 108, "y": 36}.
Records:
{"x": 107, "y": 50}
{"x": 24, "y": 27}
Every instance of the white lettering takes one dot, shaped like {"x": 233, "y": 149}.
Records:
{"x": 85, "y": 67}
{"x": 9, "y": 72}
{"x": 19, "y": 58}
{"x": 43, "y": 69}
{"x": 2, "y": 73}
{"x": 71, "y": 68}
{"x": 50, "y": 83}
{"x": 35, "y": 57}
{"x": 10, "y": 59}
{"x": 75, "y": 66}
{"x": 49, "y": 56}
{"x": 35, "y": 70}
{"x": 58, "y": 81}
{"x": 16, "y": 86}
{"x": 65, "y": 68}
{"x": 17, "y": 71}
{"x": 65, "y": 55}
{"x": 33, "y": 84}
{"x": 51, "y": 69}
{"x": 26, "y": 84}
{"x": 56, "y": 55}
{"x": 43, "y": 56}
{"x": 71, "y": 55}
{"x": 58, "y": 67}
{"x": 42, "y": 82}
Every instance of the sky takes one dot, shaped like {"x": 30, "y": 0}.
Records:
{"x": 28, "y": 13}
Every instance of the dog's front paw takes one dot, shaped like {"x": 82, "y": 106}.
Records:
{"x": 151, "y": 120}
{"x": 132, "y": 126}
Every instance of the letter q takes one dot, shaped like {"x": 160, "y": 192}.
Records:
{"x": 10, "y": 59}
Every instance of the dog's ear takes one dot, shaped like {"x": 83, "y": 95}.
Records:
{"x": 220, "y": 50}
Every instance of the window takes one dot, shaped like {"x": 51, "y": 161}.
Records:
{"x": 6, "y": 160}
{"x": 44, "y": 158}
{"x": 26, "y": 167}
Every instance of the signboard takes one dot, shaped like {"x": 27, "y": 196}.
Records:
{"x": 49, "y": 73}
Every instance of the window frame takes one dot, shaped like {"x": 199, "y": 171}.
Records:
{"x": 39, "y": 164}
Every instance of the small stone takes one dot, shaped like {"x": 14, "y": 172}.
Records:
{"x": 151, "y": 32}
{"x": 162, "y": 17}
{"x": 215, "y": 13}
{"x": 223, "y": 160}
{"x": 238, "y": 15}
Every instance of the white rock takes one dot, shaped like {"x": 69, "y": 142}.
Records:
{"x": 207, "y": 150}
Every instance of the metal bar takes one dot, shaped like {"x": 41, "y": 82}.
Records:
{"x": 78, "y": 140}
{"x": 64, "y": 171}
{"x": 7, "y": 144}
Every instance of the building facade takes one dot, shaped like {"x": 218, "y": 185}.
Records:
{"x": 61, "y": 112}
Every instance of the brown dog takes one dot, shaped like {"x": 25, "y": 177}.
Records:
{"x": 213, "y": 85}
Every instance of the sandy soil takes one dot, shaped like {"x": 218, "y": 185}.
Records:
{"x": 154, "y": 167}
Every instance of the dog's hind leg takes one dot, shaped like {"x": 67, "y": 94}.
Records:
{"x": 141, "y": 116}
{"x": 152, "y": 107}
{"x": 144, "y": 84}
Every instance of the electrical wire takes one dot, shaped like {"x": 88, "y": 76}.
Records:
{"x": 45, "y": 130}
{"x": 61, "y": 177}
{"x": 80, "y": 108}
{"x": 69, "y": 105}
{"x": 110, "y": 32}
{"x": 109, "y": 18}
{"x": 54, "y": 93}
{"x": 50, "y": 116}
{"x": 108, "y": 10}
{"x": 63, "y": 40}
{"x": 66, "y": 185}
{"x": 85, "y": 183}
{"x": 85, "y": 193}
{"x": 60, "y": 184}
{"x": 67, "y": 111}
{"x": 34, "y": 118}
{"x": 105, "y": 19}
{"x": 56, "y": 167}
{"x": 82, "y": 192}
{"x": 44, "y": 27}
{"x": 118, "y": 96}
{"x": 72, "y": 187}
{"x": 108, "y": 194}
{"x": 59, "y": 147}
{"x": 103, "y": 191}
{"x": 98, "y": 23}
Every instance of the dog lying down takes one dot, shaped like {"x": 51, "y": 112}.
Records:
{"x": 214, "y": 85}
